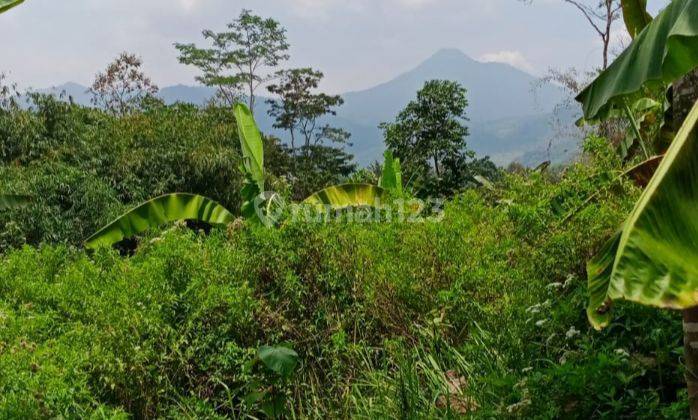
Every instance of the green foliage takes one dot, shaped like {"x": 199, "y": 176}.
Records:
{"x": 158, "y": 211}
{"x": 84, "y": 167}
{"x": 252, "y": 159}
{"x": 8, "y": 201}
{"x": 660, "y": 54}
{"x": 652, "y": 260}
{"x": 298, "y": 108}
{"x": 6, "y": 5}
{"x": 635, "y": 16}
{"x": 429, "y": 137}
{"x": 339, "y": 197}
{"x": 391, "y": 177}
{"x": 481, "y": 313}
{"x": 237, "y": 59}
{"x": 280, "y": 360}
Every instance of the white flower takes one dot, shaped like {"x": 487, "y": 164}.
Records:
{"x": 541, "y": 322}
{"x": 572, "y": 332}
{"x": 622, "y": 352}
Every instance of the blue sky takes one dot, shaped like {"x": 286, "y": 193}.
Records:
{"x": 356, "y": 43}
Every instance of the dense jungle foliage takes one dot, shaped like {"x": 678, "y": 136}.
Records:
{"x": 481, "y": 313}
{"x": 511, "y": 302}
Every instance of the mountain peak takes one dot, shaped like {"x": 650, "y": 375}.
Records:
{"x": 450, "y": 55}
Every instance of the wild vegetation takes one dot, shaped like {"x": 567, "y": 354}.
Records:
{"x": 158, "y": 260}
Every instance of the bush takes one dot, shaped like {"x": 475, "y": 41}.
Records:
{"x": 481, "y": 313}
{"x": 81, "y": 165}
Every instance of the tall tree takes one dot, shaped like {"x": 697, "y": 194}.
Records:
{"x": 601, "y": 14}
{"x": 298, "y": 109}
{"x": 240, "y": 59}
{"x": 123, "y": 86}
{"x": 429, "y": 137}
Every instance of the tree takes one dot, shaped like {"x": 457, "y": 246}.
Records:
{"x": 240, "y": 59}
{"x": 298, "y": 109}
{"x": 429, "y": 137}
{"x": 600, "y": 14}
{"x": 123, "y": 87}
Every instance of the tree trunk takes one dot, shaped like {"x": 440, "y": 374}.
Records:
{"x": 685, "y": 94}
{"x": 690, "y": 349}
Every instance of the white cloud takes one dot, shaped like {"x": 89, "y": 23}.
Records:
{"x": 513, "y": 58}
{"x": 189, "y": 5}
{"x": 414, "y": 4}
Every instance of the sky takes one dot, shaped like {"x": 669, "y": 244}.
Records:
{"x": 356, "y": 43}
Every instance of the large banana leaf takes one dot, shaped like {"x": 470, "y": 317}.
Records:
{"x": 635, "y": 16}
{"x": 158, "y": 211}
{"x": 251, "y": 144}
{"x": 654, "y": 260}
{"x": 391, "y": 179}
{"x": 664, "y": 51}
{"x": 8, "y": 201}
{"x": 348, "y": 195}
{"x": 6, "y": 5}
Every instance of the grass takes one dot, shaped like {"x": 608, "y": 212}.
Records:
{"x": 480, "y": 314}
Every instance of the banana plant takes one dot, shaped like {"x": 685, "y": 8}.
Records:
{"x": 635, "y": 16}
{"x": 339, "y": 197}
{"x": 6, "y": 5}
{"x": 391, "y": 178}
{"x": 665, "y": 50}
{"x": 658, "y": 53}
{"x": 652, "y": 258}
{"x": 158, "y": 211}
{"x": 181, "y": 206}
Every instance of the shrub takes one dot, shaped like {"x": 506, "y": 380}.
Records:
{"x": 482, "y": 313}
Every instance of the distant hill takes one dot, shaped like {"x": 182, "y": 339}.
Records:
{"x": 510, "y": 112}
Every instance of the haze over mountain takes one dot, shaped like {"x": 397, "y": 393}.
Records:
{"x": 510, "y": 111}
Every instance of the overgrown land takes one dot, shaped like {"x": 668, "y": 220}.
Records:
{"x": 484, "y": 308}
{"x": 481, "y": 313}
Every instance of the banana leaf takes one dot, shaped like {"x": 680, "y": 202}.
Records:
{"x": 251, "y": 144}
{"x": 6, "y": 5}
{"x": 664, "y": 51}
{"x": 158, "y": 211}
{"x": 635, "y": 16}
{"x": 8, "y": 201}
{"x": 339, "y": 197}
{"x": 391, "y": 178}
{"x": 654, "y": 257}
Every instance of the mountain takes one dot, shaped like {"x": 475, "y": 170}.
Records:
{"x": 510, "y": 112}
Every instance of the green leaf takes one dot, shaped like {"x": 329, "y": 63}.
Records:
{"x": 391, "y": 179}
{"x": 348, "y": 195}
{"x": 158, "y": 211}
{"x": 484, "y": 182}
{"x": 655, "y": 261}
{"x": 666, "y": 50}
{"x": 6, "y": 5}
{"x": 281, "y": 360}
{"x": 251, "y": 144}
{"x": 8, "y": 201}
{"x": 635, "y": 16}
{"x": 599, "y": 271}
